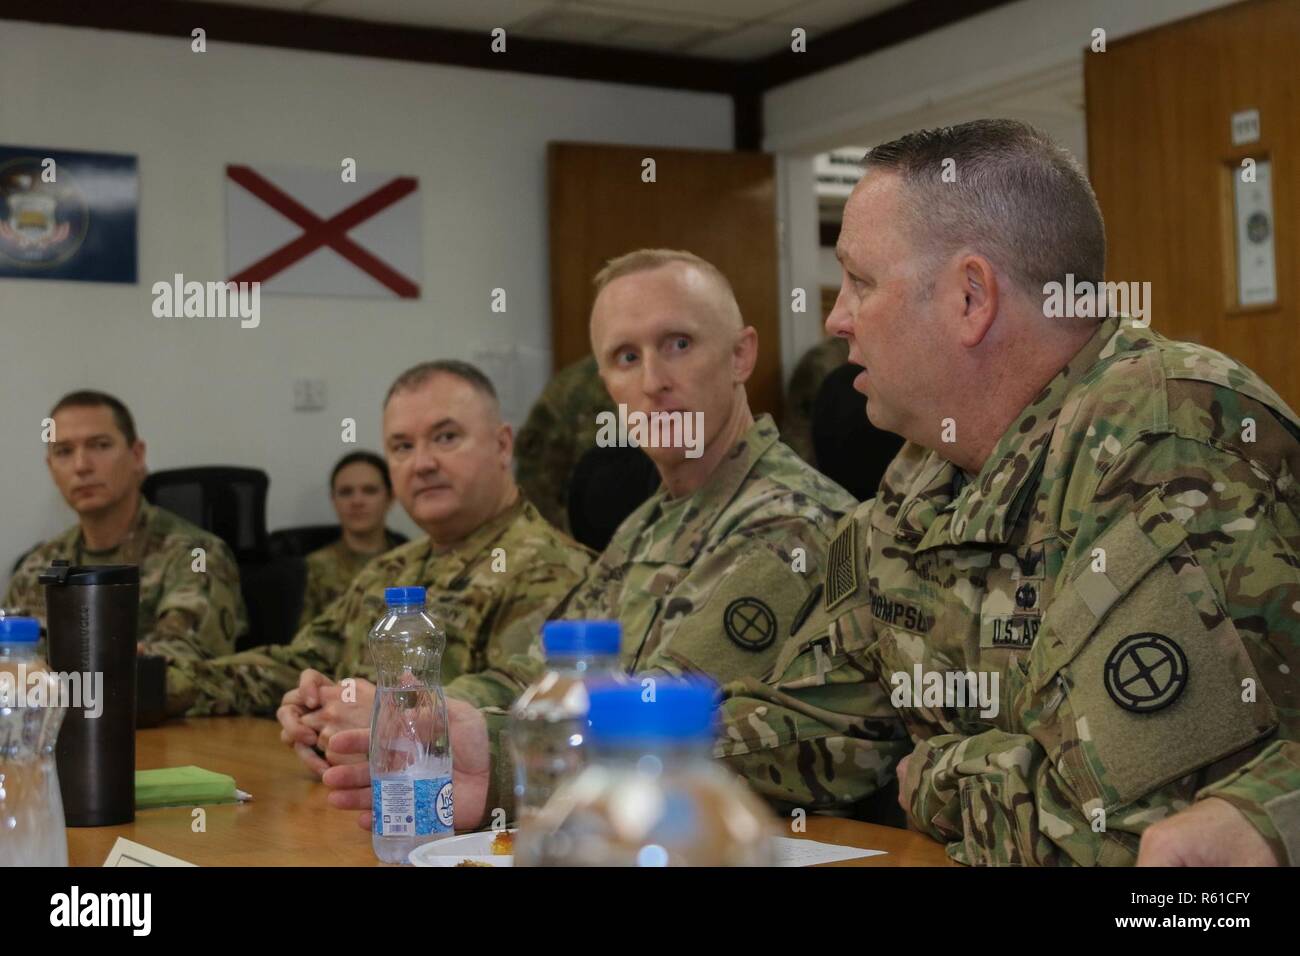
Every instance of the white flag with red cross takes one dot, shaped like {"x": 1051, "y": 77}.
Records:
{"x": 308, "y": 232}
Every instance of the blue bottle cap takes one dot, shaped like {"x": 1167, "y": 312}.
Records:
{"x": 19, "y": 630}
{"x": 666, "y": 711}
{"x": 395, "y": 597}
{"x": 576, "y": 638}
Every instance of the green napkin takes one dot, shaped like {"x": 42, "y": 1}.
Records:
{"x": 182, "y": 786}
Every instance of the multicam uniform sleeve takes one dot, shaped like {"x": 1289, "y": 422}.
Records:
{"x": 1163, "y": 660}
{"x": 200, "y": 613}
{"x": 254, "y": 681}
{"x": 1267, "y": 792}
{"x": 817, "y": 732}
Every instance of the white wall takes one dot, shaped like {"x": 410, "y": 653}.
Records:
{"x": 1023, "y": 61}
{"x": 206, "y": 391}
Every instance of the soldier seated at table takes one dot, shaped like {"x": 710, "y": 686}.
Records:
{"x": 711, "y": 574}
{"x": 190, "y": 609}
{"x": 487, "y": 558}
{"x": 361, "y": 492}
{"x": 1088, "y": 542}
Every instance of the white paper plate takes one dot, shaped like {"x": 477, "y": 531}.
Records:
{"x": 476, "y": 847}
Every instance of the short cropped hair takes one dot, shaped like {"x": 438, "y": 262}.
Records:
{"x": 364, "y": 457}
{"x": 643, "y": 260}
{"x": 1017, "y": 198}
{"x": 417, "y": 375}
{"x": 89, "y": 398}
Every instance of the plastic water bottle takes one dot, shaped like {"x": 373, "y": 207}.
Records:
{"x": 31, "y": 809}
{"x": 651, "y": 793}
{"x": 410, "y": 752}
{"x": 548, "y": 723}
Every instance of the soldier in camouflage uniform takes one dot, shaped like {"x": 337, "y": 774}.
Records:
{"x": 818, "y": 362}
{"x": 329, "y": 572}
{"x": 361, "y": 492}
{"x": 489, "y": 558}
{"x": 191, "y": 607}
{"x": 709, "y": 575}
{"x": 1121, "y": 558}
{"x": 559, "y": 429}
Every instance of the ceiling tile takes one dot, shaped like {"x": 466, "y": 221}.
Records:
{"x": 737, "y": 10}
{"x": 747, "y": 43}
{"x": 449, "y": 14}
{"x": 575, "y": 27}
{"x": 828, "y": 14}
{"x": 660, "y": 36}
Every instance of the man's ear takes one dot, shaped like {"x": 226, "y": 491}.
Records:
{"x": 137, "y": 452}
{"x": 506, "y": 443}
{"x": 980, "y": 296}
{"x": 744, "y": 356}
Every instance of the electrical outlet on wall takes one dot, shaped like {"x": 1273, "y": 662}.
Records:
{"x": 308, "y": 394}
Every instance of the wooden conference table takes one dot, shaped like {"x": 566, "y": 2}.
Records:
{"x": 289, "y": 823}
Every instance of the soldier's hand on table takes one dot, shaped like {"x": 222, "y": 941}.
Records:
{"x": 342, "y": 707}
{"x": 1210, "y": 832}
{"x": 470, "y": 762}
{"x": 904, "y": 793}
{"x": 309, "y": 685}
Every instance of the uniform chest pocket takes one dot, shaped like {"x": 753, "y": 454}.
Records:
{"x": 1138, "y": 674}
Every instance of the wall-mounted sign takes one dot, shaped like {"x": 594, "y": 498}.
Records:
{"x": 1253, "y": 210}
{"x": 1245, "y": 127}
{"x": 67, "y": 215}
{"x": 838, "y": 171}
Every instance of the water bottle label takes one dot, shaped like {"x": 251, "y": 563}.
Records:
{"x": 405, "y": 807}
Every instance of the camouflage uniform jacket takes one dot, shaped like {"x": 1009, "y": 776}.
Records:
{"x": 329, "y": 572}
{"x": 1125, "y": 565}
{"x": 560, "y": 427}
{"x": 708, "y": 583}
{"x": 508, "y": 568}
{"x": 184, "y": 613}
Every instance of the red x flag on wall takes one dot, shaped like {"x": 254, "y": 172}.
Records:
{"x": 307, "y": 232}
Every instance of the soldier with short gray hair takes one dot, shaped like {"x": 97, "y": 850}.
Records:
{"x": 1078, "y": 582}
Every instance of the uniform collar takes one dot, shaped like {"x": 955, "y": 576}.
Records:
{"x": 927, "y": 497}
{"x": 682, "y": 526}
{"x": 452, "y": 561}
{"x": 130, "y": 544}
{"x": 988, "y": 508}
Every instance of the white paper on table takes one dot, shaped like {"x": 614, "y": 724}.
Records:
{"x": 129, "y": 853}
{"x": 792, "y": 852}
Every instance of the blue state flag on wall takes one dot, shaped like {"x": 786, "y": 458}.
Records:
{"x": 66, "y": 214}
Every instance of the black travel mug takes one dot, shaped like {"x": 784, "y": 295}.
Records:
{"x": 91, "y": 618}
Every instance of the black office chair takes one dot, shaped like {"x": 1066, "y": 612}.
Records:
{"x": 273, "y": 594}
{"x": 230, "y": 502}
{"x": 850, "y": 450}
{"x": 608, "y": 484}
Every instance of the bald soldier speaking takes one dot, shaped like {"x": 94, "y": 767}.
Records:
{"x": 487, "y": 559}
{"x": 707, "y": 576}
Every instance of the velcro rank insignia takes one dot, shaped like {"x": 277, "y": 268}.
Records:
{"x": 842, "y": 565}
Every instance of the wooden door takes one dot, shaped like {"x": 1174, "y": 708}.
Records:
{"x": 719, "y": 205}
{"x": 1162, "y": 160}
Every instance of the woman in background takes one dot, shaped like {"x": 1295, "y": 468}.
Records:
{"x": 361, "y": 492}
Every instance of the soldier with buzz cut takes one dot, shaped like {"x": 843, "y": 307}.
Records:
{"x": 713, "y": 572}
{"x": 1102, "y": 518}
{"x": 487, "y": 560}
{"x": 190, "y": 603}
